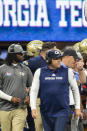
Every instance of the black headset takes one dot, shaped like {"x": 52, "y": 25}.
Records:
{"x": 48, "y": 59}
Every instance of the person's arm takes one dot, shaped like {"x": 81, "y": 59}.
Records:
{"x": 13, "y": 99}
{"x": 34, "y": 92}
{"x": 74, "y": 88}
{"x": 2, "y": 94}
{"x": 75, "y": 91}
{"x": 5, "y": 96}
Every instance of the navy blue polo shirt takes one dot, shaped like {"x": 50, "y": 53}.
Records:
{"x": 54, "y": 91}
{"x": 35, "y": 63}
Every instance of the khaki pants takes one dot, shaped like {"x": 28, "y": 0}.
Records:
{"x": 13, "y": 120}
{"x": 85, "y": 129}
{"x": 38, "y": 120}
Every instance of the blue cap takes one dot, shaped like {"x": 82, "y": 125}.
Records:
{"x": 53, "y": 54}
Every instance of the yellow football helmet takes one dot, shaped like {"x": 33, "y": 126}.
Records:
{"x": 76, "y": 47}
{"x": 34, "y": 47}
{"x": 83, "y": 46}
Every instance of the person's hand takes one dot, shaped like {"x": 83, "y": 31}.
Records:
{"x": 27, "y": 100}
{"x": 77, "y": 113}
{"x": 80, "y": 65}
{"x": 15, "y": 100}
{"x": 34, "y": 113}
{"x": 83, "y": 115}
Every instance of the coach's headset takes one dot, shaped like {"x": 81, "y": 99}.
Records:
{"x": 52, "y": 54}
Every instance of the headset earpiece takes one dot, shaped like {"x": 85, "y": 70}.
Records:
{"x": 48, "y": 60}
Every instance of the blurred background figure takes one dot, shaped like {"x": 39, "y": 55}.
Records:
{"x": 76, "y": 47}
{"x": 33, "y": 49}
{"x": 1, "y": 60}
{"x": 69, "y": 59}
{"x": 39, "y": 60}
{"x": 81, "y": 78}
{"x": 84, "y": 91}
{"x": 82, "y": 47}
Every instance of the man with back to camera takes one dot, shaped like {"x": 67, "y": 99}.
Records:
{"x": 53, "y": 83}
{"x": 39, "y": 61}
{"x": 15, "y": 78}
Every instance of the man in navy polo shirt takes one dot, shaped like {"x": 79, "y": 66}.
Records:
{"x": 52, "y": 81}
{"x": 35, "y": 63}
